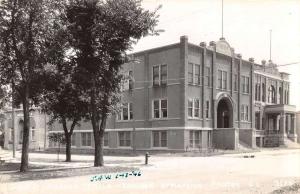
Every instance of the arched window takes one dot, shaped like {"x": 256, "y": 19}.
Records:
{"x": 279, "y": 100}
{"x": 263, "y": 92}
{"x": 271, "y": 94}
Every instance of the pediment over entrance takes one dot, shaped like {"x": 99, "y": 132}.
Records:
{"x": 223, "y": 47}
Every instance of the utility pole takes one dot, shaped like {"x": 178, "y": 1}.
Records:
{"x": 270, "y": 45}
{"x": 222, "y": 20}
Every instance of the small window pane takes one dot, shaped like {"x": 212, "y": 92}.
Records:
{"x": 164, "y": 73}
{"x": 190, "y": 73}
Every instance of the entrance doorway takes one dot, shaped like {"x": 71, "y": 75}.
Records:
{"x": 224, "y": 114}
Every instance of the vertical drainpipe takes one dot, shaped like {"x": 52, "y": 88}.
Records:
{"x": 214, "y": 83}
{"x": 203, "y": 45}
{"x": 239, "y": 90}
{"x": 252, "y": 103}
{"x": 184, "y": 83}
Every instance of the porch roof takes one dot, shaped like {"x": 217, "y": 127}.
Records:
{"x": 280, "y": 108}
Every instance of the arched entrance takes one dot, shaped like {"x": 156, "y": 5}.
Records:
{"x": 224, "y": 114}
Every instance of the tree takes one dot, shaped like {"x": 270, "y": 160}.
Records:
{"x": 102, "y": 31}
{"x": 61, "y": 101}
{"x": 57, "y": 138}
{"x": 61, "y": 97}
{"x": 26, "y": 27}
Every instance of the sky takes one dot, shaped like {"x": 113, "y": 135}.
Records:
{"x": 247, "y": 25}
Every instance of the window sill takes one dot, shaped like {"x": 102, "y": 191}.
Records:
{"x": 89, "y": 147}
{"x": 163, "y": 119}
{"x": 124, "y": 147}
{"x": 159, "y": 148}
{"x": 198, "y": 85}
{"x": 248, "y": 122}
{"x": 124, "y": 121}
{"x": 195, "y": 118}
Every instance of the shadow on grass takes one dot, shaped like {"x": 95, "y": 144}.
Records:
{"x": 49, "y": 173}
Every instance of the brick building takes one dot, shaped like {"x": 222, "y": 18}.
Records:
{"x": 187, "y": 97}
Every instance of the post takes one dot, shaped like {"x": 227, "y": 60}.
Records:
{"x": 45, "y": 142}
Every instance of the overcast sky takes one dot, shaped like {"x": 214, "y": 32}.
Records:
{"x": 246, "y": 27}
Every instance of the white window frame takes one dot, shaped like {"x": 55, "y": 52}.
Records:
{"x": 192, "y": 139}
{"x": 159, "y": 139}
{"x": 106, "y": 133}
{"x": 159, "y": 75}
{"x": 130, "y": 139}
{"x": 33, "y": 131}
{"x": 194, "y": 77}
{"x": 223, "y": 79}
{"x": 81, "y": 137}
{"x": 120, "y": 116}
{"x": 159, "y": 108}
{"x": 207, "y": 79}
{"x": 245, "y": 84}
{"x": 207, "y": 109}
{"x": 194, "y": 108}
{"x": 244, "y": 112}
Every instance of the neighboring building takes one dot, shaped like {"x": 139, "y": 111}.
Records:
{"x": 38, "y": 129}
{"x": 187, "y": 97}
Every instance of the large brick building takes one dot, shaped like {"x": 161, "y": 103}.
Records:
{"x": 185, "y": 96}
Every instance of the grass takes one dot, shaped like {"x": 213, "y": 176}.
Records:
{"x": 48, "y": 172}
{"x": 293, "y": 189}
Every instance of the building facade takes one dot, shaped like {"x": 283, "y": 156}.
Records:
{"x": 38, "y": 129}
{"x": 184, "y": 97}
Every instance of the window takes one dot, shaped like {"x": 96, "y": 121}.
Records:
{"x": 271, "y": 94}
{"x": 11, "y": 136}
{"x": 33, "y": 138}
{"x": 163, "y": 74}
{"x": 159, "y": 138}
{"x": 235, "y": 82}
{"x": 160, "y": 75}
{"x": 245, "y": 84}
{"x": 194, "y": 74}
{"x": 207, "y": 109}
{"x": 160, "y": 108}
{"x": 105, "y": 141}
{"x": 86, "y": 139}
{"x": 279, "y": 100}
{"x": 131, "y": 82}
{"x": 263, "y": 92}
{"x": 190, "y": 108}
{"x": 124, "y": 138}
{"x": 244, "y": 112}
{"x": 190, "y": 73}
{"x": 156, "y": 75}
{"x": 257, "y": 87}
{"x": 207, "y": 76}
{"x": 194, "y": 108}
{"x": 126, "y": 112}
{"x": 195, "y": 139}
{"x": 73, "y": 139}
{"x": 219, "y": 79}
{"x": 222, "y": 79}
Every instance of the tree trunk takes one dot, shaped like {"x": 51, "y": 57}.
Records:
{"x": 68, "y": 147}
{"x": 25, "y": 143}
{"x": 98, "y": 151}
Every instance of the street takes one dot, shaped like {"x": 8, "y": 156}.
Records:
{"x": 267, "y": 171}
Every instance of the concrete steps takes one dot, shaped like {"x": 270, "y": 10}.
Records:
{"x": 271, "y": 141}
{"x": 290, "y": 144}
{"x": 5, "y": 156}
